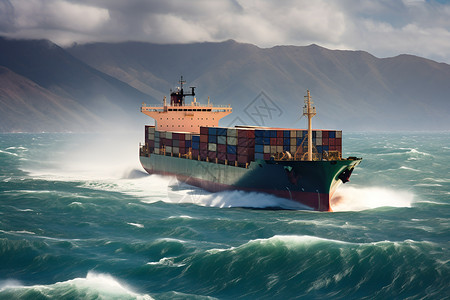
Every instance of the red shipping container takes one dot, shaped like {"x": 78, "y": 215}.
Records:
{"x": 203, "y": 138}
{"x": 182, "y": 150}
{"x": 251, "y": 152}
{"x": 266, "y": 156}
{"x": 324, "y": 134}
{"x": 332, "y": 142}
{"x": 273, "y": 141}
{"x": 242, "y": 142}
{"x": 325, "y": 141}
{"x": 204, "y": 131}
{"x": 151, "y": 143}
{"x": 242, "y": 159}
{"x": 242, "y": 150}
{"x": 195, "y": 153}
{"x": 242, "y": 133}
{"x": 222, "y": 156}
{"x": 231, "y": 157}
{"x": 181, "y": 136}
{"x": 339, "y": 148}
{"x": 203, "y": 146}
{"x": 332, "y": 148}
{"x": 251, "y": 134}
{"x": 181, "y": 144}
{"x": 279, "y": 141}
{"x": 168, "y": 142}
{"x": 251, "y": 142}
{"x": 280, "y": 134}
{"x": 175, "y": 136}
{"x": 338, "y": 141}
{"x": 212, "y": 155}
{"x": 222, "y": 148}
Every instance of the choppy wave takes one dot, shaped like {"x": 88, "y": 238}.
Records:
{"x": 93, "y": 286}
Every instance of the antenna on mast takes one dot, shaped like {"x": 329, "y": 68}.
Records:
{"x": 182, "y": 82}
{"x": 309, "y": 111}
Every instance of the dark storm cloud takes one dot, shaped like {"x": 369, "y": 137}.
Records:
{"x": 382, "y": 27}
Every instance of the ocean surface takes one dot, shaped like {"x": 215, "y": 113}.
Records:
{"x": 80, "y": 220}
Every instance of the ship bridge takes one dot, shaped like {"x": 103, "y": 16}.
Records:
{"x": 186, "y": 117}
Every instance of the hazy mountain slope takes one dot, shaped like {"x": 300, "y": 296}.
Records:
{"x": 65, "y": 77}
{"x": 27, "y": 107}
{"x": 352, "y": 89}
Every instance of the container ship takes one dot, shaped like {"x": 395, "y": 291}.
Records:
{"x": 302, "y": 165}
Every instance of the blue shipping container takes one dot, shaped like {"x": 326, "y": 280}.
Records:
{"x": 286, "y": 141}
{"x": 196, "y": 138}
{"x": 196, "y": 145}
{"x": 273, "y": 133}
{"x": 286, "y": 148}
{"x": 221, "y": 131}
{"x": 332, "y": 134}
{"x": 231, "y": 149}
{"x": 259, "y": 133}
{"x": 212, "y": 138}
{"x": 286, "y": 133}
{"x": 259, "y": 155}
{"x": 259, "y": 148}
{"x": 187, "y": 144}
{"x": 259, "y": 140}
{"x": 212, "y": 131}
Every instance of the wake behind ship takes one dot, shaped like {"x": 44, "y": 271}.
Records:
{"x": 304, "y": 166}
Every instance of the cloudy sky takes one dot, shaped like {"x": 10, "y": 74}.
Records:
{"x": 382, "y": 27}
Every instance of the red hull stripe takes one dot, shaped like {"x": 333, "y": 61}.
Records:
{"x": 317, "y": 201}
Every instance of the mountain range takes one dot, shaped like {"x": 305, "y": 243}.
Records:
{"x": 44, "y": 87}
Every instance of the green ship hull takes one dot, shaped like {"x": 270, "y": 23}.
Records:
{"x": 310, "y": 183}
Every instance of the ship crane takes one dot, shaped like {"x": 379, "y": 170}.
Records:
{"x": 309, "y": 111}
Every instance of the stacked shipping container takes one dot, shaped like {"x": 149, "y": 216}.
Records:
{"x": 240, "y": 146}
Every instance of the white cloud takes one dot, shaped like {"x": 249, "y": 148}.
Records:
{"x": 57, "y": 15}
{"x": 382, "y": 27}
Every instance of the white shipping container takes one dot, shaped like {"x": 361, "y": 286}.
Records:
{"x": 318, "y": 141}
{"x": 339, "y": 134}
{"x": 169, "y": 149}
{"x": 279, "y": 149}
{"x": 293, "y": 133}
{"x": 273, "y": 149}
{"x": 319, "y": 134}
{"x": 151, "y": 129}
{"x": 175, "y": 150}
{"x": 212, "y": 146}
{"x": 231, "y": 140}
{"x": 168, "y": 135}
{"x": 232, "y": 132}
{"x": 156, "y": 151}
{"x": 151, "y": 136}
{"x": 293, "y": 149}
{"x": 299, "y": 133}
{"x": 266, "y": 148}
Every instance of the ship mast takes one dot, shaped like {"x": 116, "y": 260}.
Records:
{"x": 309, "y": 111}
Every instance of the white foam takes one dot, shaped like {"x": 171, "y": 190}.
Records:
{"x": 9, "y": 153}
{"x": 166, "y": 261}
{"x": 409, "y": 169}
{"x": 102, "y": 286}
{"x": 136, "y": 225}
{"x": 362, "y": 198}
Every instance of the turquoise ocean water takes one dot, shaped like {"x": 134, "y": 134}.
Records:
{"x": 80, "y": 220}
